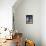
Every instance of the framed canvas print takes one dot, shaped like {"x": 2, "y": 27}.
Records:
{"x": 29, "y": 19}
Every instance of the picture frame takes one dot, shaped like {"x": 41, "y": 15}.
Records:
{"x": 29, "y": 19}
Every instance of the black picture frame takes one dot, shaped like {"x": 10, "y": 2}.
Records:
{"x": 29, "y": 19}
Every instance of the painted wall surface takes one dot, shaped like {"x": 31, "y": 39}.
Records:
{"x": 30, "y": 31}
{"x": 43, "y": 22}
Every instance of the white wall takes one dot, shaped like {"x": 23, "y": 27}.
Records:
{"x": 43, "y": 22}
{"x": 6, "y": 13}
{"x": 31, "y": 31}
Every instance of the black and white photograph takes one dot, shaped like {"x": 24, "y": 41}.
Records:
{"x": 29, "y": 19}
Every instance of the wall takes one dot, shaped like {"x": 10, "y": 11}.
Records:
{"x": 6, "y": 13}
{"x": 43, "y": 22}
{"x": 31, "y": 31}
